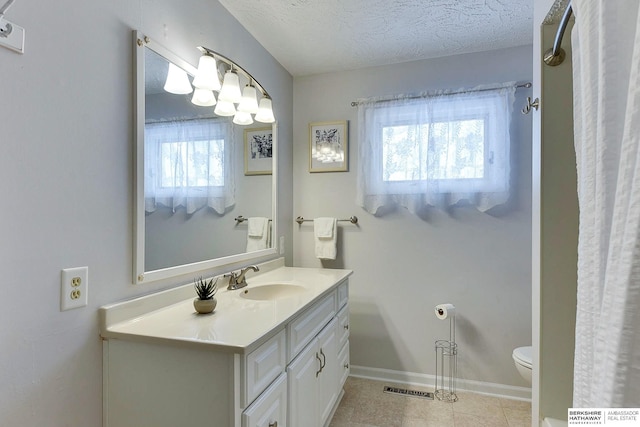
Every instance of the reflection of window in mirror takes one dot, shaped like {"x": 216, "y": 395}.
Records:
{"x": 187, "y": 163}
{"x": 191, "y": 164}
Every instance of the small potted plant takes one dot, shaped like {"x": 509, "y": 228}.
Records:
{"x": 206, "y": 291}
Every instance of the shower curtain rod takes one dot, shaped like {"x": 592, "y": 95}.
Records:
{"x": 522, "y": 85}
{"x": 555, "y": 55}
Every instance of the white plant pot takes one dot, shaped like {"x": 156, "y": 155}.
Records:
{"x": 204, "y": 306}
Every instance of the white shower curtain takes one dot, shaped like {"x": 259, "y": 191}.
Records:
{"x": 606, "y": 71}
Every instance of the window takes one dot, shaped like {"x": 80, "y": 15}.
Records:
{"x": 435, "y": 149}
{"x": 189, "y": 163}
{"x": 457, "y": 149}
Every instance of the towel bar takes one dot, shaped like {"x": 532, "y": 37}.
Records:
{"x": 352, "y": 220}
{"x": 240, "y": 219}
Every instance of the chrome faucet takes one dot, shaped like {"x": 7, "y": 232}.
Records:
{"x": 237, "y": 279}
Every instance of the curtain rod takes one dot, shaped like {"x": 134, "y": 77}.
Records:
{"x": 220, "y": 119}
{"x": 522, "y": 85}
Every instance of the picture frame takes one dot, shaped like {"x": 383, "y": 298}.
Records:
{"x": 258, "y": 151}
{"x": 329, "y": 146}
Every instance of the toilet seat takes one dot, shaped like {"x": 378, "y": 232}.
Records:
{"x": 523, "y": 356}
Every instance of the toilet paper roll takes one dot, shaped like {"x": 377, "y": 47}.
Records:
{"x": 443, "y": 311}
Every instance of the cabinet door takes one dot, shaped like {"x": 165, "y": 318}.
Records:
{"x": 303, "y": 387}
{"x": 343, "y": 326}
{"x": 262, "y": 366}
{"x": 343, "y": 365}
{"x": 270, "y": 409}
{"x": 329, "y": 375}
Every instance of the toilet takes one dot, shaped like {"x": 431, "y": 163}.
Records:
{"x": 523, "y": 356}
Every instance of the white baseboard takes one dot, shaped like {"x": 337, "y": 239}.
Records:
{"x": 424, "y": 380}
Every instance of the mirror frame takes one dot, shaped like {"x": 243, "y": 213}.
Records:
{"x": 139, "y": 274}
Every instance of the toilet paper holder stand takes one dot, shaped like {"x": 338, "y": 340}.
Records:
{"x": 447, "y": 365}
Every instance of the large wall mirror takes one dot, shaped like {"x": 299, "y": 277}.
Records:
{"x": 205, "y": 186}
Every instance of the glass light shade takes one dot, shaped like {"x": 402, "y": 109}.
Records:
{"x": 203, "y": 97}
{"x": 177, "y": 81}
{"x": 207, "y": 74}
{"x": 265, "y": 111}
{"x": 230, "y": 88}
{"x": 224, "y": 108}
{"x": 249, "y": 101}
{"x": 242, "y": 118}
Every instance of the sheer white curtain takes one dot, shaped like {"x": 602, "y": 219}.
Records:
{"x": 606, "y": 71}
{"x": 189, "y": 163}
{"x": 435, "y": 149}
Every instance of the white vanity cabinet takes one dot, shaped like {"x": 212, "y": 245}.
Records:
{"x": 262, "y": 366}
{"x": 155, "y": 385}
{"x": 270, "y": 409}
{"x": 343, "y": 345}
{"x": 169, "y": 367}
{"x": 313, "y": 380}
{"x": 317, "y": 373}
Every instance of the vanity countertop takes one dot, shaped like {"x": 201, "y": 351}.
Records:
{"x": 237, "y": 325}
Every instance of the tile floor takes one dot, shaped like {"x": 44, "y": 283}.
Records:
{"x": 365, "y": 405}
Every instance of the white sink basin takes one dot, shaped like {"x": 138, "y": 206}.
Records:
{"x": 272, "y": 291}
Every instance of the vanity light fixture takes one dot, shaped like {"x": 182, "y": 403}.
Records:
{"x": 203, "y": 97}
{"x": 249, "y": 101}
{"x": 265, "y": 111}
{"x": 242, "y": 118}
{"x": 207, "y": 74}
{"x": 177, "y": 81}
{"x": 229, "y": 92}
{"x": 224, "y": 109}
{"x": 230, "y": 88}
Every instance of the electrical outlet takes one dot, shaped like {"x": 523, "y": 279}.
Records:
{"x": 74, "y": 287}
{"x": 11, "y": 35}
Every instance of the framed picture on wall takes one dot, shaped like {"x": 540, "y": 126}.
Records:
{"x": 328, "y": 146}
{"x": 258, "y": 151}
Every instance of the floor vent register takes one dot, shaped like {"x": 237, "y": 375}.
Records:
{"x": 410, "y": 393}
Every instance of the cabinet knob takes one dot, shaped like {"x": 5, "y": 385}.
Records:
{"x": 273, "y": 424}
{"x": 346, "y": 326}
{"x": 346, "y": 366}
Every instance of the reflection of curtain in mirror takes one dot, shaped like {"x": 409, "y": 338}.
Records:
{"x": 189, "y": 163}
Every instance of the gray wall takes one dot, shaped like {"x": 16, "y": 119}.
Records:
{"x": 404, "y": 265}
{"x": 66, "y": 173}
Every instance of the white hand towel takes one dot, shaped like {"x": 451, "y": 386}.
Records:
{"x": 256, "y": 226}
{"x": 257, "y": 233}
{"x": 325, "y": 235}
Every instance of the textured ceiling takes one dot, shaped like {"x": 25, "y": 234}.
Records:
{"x": 317, "y": 36}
